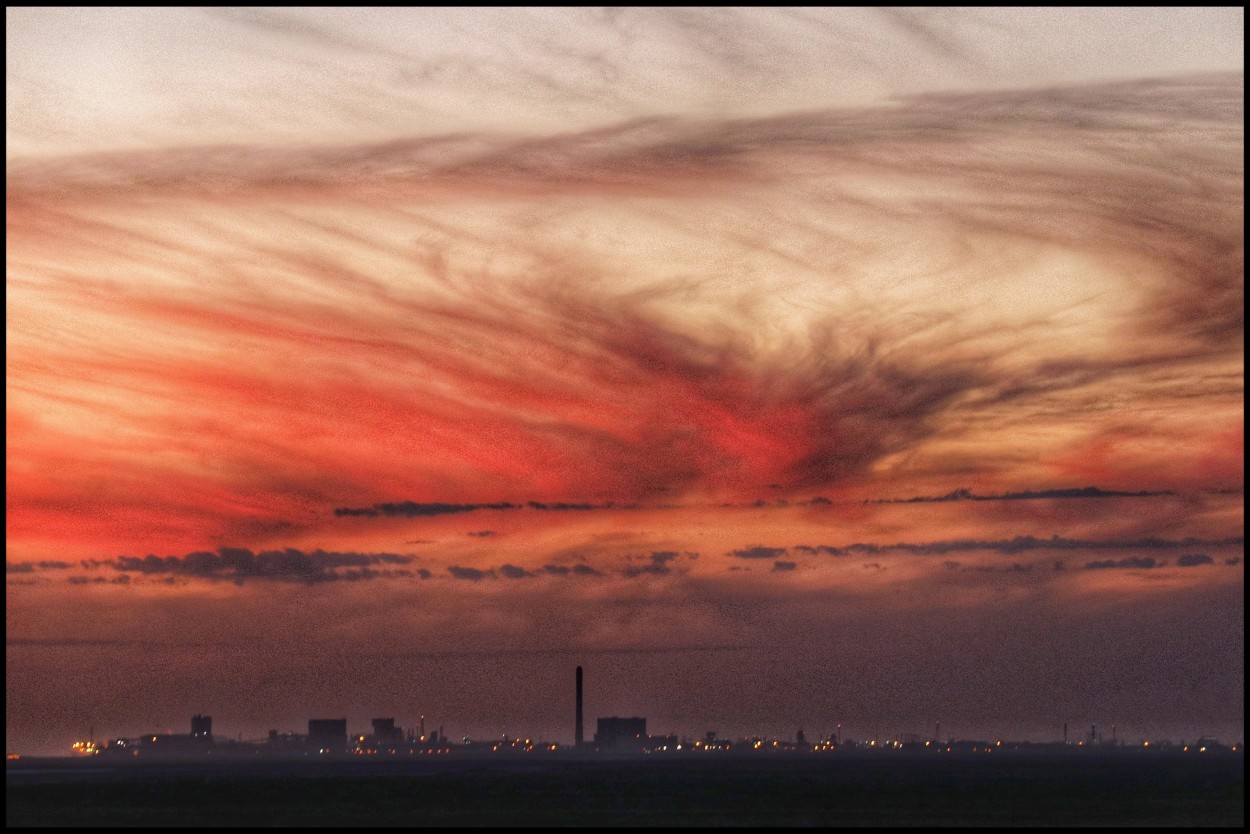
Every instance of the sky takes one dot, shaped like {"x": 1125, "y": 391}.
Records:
{"x": 782, "y": 368}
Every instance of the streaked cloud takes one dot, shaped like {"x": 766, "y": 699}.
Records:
{"x": 963, "y": 494}
{"x": 1018, "y": 544}
{"x": 1139, "y": 562}
{"x": 237, "y": 564}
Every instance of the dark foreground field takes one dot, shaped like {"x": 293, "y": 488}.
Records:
{"x": 844, "y": 791}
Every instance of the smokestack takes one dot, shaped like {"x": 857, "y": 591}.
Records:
{"x": 423, "y": 728}
{"x": 577, "y": 728}
{"x": 1065, "y": 732}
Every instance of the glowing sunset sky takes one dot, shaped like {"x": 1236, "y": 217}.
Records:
{"x": 781, "y": 368}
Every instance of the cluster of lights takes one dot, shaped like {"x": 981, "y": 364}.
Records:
{"x": 373, "y": 751}
{"x": 712, "y": 745}
{"x": 523, "y": 745}
{"x": 365, "y": 746}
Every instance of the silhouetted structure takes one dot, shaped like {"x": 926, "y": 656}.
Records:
{"x": 202, "y": 726}
{"x": 621, "y": 732}
{"x": 577, "y": 727}
{"x": 290, "y": 743}
{"x": 328, "y": 734}
{"x": 385, "y": 731}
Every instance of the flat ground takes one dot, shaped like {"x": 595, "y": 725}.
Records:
{"x": 726, "y": 791}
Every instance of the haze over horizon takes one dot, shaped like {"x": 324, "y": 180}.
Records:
{"x": 780, "y": 367}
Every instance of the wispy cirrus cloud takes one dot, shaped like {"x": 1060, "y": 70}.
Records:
{"x": 566, "y": 379}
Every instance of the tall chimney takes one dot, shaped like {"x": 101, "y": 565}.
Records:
{"x": 577, "y": 730}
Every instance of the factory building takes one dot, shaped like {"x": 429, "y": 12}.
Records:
{"x": 621, "y": 733}
{"x": 328, "y": 734}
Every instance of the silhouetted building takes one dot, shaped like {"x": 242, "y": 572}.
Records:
{"x": 202, "y": 726}
{"x": 328, "y": 734}
{"x": 621, "y": 732}
{"x": 286, "y": 743}
{"x": 385, "y": 731}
